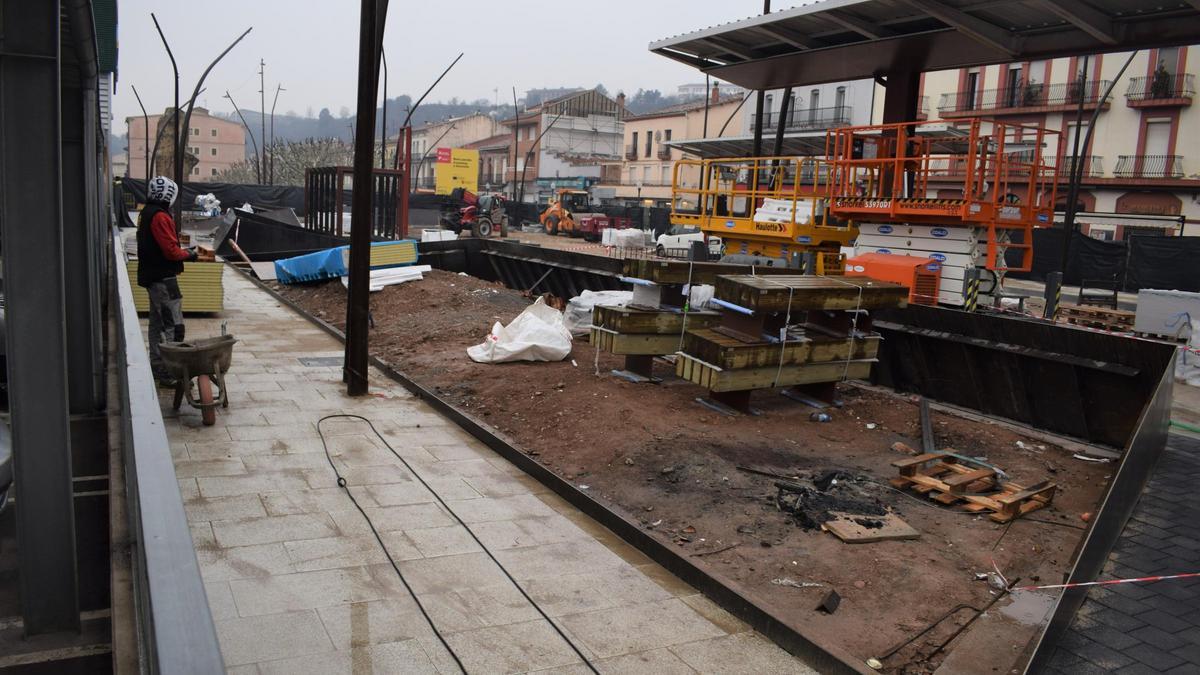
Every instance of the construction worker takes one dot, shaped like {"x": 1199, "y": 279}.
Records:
{"x": 160, "y": 262}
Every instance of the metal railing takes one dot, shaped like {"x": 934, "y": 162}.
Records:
{"x": 1093, "y": 166}
{"x": 174, "y": 621}
{"x": 631, "y": 151}
{"x": 1028, "y": 95}
{"x": 1161, "y": 86}
{"x": 812, "y": 119}
{"x": 664, "y": 152}
{"x": 1149, "y": 166}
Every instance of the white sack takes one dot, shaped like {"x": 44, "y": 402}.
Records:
{"x": 578, "y": 316}
{"x": 700, "y": 295}
{"x": 537, "y": 334}
{"x": 1187, "y": 365}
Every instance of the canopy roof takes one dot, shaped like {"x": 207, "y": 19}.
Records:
{"x": 837, "y": 40}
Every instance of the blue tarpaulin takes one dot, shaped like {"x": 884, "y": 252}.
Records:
{"x": 331, "y": 263}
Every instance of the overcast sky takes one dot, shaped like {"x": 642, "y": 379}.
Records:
{"x": 310, "y": 48}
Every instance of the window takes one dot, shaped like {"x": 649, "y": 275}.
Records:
{"x": 768, "y": 108}
{"x": 667, "y": 136}
{"x": 212, "y": 151}
{"x": 645, "y": 174}
{"x": 814, "y": 102}
{"x": 194, "y": 150}
{"x": 649, "y": 142}
{"x": 666, "y": 175}
{"x": 195, "y": 131}
{"x": 213, "y": 133}
{"x": 195, "y": 171}
{"x": 1168, "y": 59}
{"x": 839, "y": 100}
{"x": 1013, "y": 87}
{"x": 214, "y": 171}
{"x": 634, "y": 145}
{"x": 970, "y": 92}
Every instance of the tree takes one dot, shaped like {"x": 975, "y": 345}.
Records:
{"x": 602, "y": 89}
{"x": 292, "y": 158}
{"x": 343, "y": 112}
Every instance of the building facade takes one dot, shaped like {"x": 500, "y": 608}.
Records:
{"x": 216, "y": 143}
{"x": 457, "y": 132}
{"x": 816, "y": 108}
{"x": 698, "y": 90}
{"x": 644, "y": 174}
{"x": 1141, "y": 159}
{"x": 583, "y": 131}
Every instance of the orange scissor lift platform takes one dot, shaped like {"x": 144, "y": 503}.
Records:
{"x": 1007, "y": 174}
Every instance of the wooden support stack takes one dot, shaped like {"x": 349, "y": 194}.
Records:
{"x": 654, "y": 323}
{"x": 945, "y": 480}
{"x": 824, "y": 342}
{"x": 1116, "y": 320}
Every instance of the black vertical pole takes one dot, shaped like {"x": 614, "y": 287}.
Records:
{"x": 373, "y": 15}
{"x": 262, "y": 114}
{"x": 1073, "y": 185}
{"x": 383, "y": 124}
{"x": 516, "y": 140}
{"x": 760, "y": 101}
{"x": 146, "y": 120}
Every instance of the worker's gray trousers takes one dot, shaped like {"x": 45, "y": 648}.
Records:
{"x": 166, "y": 320}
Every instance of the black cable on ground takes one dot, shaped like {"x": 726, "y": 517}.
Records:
{"x": 342, "y": 483}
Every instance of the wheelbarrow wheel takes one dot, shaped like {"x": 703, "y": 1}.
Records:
{"x": 208, "y": 413}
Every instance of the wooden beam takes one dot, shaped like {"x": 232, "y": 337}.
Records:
{"x": 1094, "y": 23}
{"x": 871, "y": 31}
{"x": 976, "y": 28}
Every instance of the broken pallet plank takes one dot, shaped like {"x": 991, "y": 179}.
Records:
{"x": 844, "y": 527}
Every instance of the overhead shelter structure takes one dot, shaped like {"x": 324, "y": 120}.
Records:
{"x": 894, "y": 41}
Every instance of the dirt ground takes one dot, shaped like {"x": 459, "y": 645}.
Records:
{"x": 659, "y": 458}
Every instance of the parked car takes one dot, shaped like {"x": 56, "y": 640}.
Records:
{"x": 677, "y": 241}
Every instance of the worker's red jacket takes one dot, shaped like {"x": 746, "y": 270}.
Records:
{"x": 159, "y": 254}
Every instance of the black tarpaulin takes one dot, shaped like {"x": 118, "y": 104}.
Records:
{"x": 231, "y": 195}
{"x": 1167, "y": 263}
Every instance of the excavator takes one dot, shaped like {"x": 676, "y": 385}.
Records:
{"x": 570, "y": 212}
{"x": 560, "y": 213}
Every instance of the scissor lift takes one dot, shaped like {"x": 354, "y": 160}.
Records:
{"x": 886, "y": 177}
{"x": 763, "y": 207}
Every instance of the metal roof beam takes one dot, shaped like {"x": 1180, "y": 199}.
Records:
{"x": 871, "y": 31}
{"x": 730, "y": 47}
{"x": 1085, "y": 18}
{"x": 791, "y": 38}
{"x": 974, "y": 27}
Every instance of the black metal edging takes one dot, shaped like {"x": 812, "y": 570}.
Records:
{"x": 824, "y": 658}
{"x": 175, "y": 625}
{"x": 1141, "y": 455}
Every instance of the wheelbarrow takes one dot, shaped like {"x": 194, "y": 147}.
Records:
{"x": 207, "y": 360}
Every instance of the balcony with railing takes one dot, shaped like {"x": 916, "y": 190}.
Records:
{"x": 923, "y": 108}
{"x": 1093, "y": 166}
{"x": 631, "y": 151}
{"x": 664, "y": 152}
{"x": 812, "y": 119}
{"x": 1149, "y": 166}
{"x": 1160, "y": 90}
{"x": 1031, "y": 97}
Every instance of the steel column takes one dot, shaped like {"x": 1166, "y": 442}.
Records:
{"x": 901, "y": 101}
{"x": 82, "y": 298}
{"x": 31, "y": 228}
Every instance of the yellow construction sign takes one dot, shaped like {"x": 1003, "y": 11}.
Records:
{"x": 456, "y": 167}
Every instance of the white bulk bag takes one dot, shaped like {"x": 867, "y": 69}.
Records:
{"x": 537, "y": 334}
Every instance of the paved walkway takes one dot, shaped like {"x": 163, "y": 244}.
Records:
{"x": 1147, "y": 628}
{"x": 297, "y": 584}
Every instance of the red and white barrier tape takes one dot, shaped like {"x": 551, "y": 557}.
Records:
{"x": 1110, "y": 582}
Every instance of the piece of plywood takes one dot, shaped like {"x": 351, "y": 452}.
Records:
{"x": 264, "y": 270}
{"x": 894, "y": 528}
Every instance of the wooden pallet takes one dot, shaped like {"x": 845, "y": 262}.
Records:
{"x": 949, "y": 482}
{"x": 720, "y": 380}
{"x": 728, "y": 352}
{"x": 1118, "y": 320}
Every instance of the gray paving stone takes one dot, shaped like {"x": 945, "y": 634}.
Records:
{"x": 658, "y": 661}
{"x": 575, "y": 557}
{"x": 246, "y": 531}
{"x": 1155, "y": 657}
{"x": 261, "y": 560}
{"x": 505, "y": 508}
{"x": 746, "y": 653}
{"x": 593, "y": 590}
{"x": 265, "y": 638}
{"x": 223, "y": 508}
{"x": 307, "y": 590}
{"x": 394, "y": 619}
{"x": 439, "y": 541}
{"x": 1163, "y": 621}
{"x": 339, "y": 552}
{"x": 520, "y": 647}
{"x": 452, "y": 573}
{"x": 393, "y": 657}
{"x": 323, "y": 500}
{"x": 227, "y": 486}
{"x": 497, "y": 604}
{"x": 625, "y": 630}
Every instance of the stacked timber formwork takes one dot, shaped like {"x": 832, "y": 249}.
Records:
{"x": 807, "y": 332}
{"x": 655, "y": 322}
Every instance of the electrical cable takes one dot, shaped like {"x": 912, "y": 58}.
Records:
{"x": 341, "y": 481}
